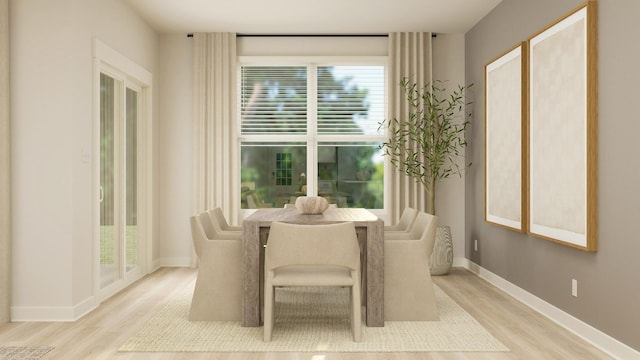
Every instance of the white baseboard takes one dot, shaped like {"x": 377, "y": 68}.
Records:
{"x": 172, "y": 262}
{"x": 587, "y": 332}
{"x": 52, "y": 313}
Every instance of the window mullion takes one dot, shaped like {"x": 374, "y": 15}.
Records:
{"x": 312, "y": 129}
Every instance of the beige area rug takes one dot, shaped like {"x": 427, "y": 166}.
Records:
{"x": 311, "y": 320}
{"x": 23, "y": 352}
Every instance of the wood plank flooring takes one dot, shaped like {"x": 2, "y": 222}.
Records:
{"x": 99, "y": 334}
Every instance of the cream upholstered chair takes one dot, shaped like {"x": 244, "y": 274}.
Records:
{"x": 218, "y": 219}
{"x": 408, "y": 288}
{"x": 213, "y": 231}
{"x": 218, "y": 292}
{"x": 406, "y": 220}
{"x": 412, "y": 232}
{"x": 312, "y": 255}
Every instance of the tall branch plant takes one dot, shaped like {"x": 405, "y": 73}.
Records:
{"x": 427, "y": 144}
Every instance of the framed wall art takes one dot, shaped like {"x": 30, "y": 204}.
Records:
{"x": 505, "y": 139}
{"x": 562, "y": 86}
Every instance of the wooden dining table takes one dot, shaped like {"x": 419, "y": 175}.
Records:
{"x": 370, "y": 232}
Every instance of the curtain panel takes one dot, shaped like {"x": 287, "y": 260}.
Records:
{"x": 410, "y": 57}
{"x": 214, "y": 140}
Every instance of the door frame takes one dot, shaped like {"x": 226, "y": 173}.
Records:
{"x": 110, "y": 62}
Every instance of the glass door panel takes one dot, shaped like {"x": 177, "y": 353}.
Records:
{"x": 119, "y": 240}
{"x": 131, "y": 180}
{"x": 108, "y": 198}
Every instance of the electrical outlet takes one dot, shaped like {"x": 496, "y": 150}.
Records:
{"x": 475, "y": 244}
{"x": 574, "y": 287}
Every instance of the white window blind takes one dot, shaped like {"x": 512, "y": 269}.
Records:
{"x": 350, "y": 99}
{"x": 273, "y": 100}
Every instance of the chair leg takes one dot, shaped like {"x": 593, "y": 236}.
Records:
{"x": 356, "y": 311}
{"x": 269, "y": 299}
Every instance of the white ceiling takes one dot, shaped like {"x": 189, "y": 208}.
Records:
{"x": 312, "y": 17}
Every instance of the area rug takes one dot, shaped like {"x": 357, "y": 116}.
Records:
{"x": 23, "y": 352}
{"x": 311, "y": 320}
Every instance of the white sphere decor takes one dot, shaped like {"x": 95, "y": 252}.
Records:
{"x": 311, "y": 204}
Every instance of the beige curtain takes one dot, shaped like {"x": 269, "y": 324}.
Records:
{"x": 5, "y": 168}
{"x": 409, "y": 56}
{"x": 215, "y": 150}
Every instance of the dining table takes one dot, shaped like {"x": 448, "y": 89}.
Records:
{"x": 370, "y": 233}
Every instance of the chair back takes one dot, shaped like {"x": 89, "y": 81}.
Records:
{"x": 294, "y": 244}
{"x": 220, "y": 222}
{"x": 218, "y": 216}
{"x": 198, "y": 235}
{"x": 207, "y": 225}
{"x": 429, "y": 233}
{"x": 420, "y": 224}
{"x": 407, "y": 218}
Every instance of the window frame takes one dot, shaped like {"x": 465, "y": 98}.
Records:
{"x": 311, "y": 138}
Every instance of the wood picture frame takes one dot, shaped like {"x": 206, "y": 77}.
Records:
{"x": 562, "y": 86}
{"x": 505, "y": 139}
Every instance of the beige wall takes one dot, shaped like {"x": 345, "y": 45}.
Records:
{"x": 52, "y": 145}
{"x": 608, "y": 290}
{"x": 5, "y": 167}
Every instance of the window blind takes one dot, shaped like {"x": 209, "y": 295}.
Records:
{"x": 350, "y": 99}
{"x": 274, "y": 99}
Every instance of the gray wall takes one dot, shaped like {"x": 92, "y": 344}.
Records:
{"x": 608, "y": 281}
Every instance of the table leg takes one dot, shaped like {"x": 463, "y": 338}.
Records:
{"x": 375, "y": 274}
{"x": 251, "y": 275}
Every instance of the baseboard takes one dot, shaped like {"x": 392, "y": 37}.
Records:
{"x": 587, "y": 332}
{"x": 52, "y": 313}
{"x": 73, "y": 313}
{"x": 172, "y": 262}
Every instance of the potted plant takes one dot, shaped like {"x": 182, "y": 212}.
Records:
{"x": 426, "y": 146}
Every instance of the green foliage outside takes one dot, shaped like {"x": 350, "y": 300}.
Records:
{"x": 107, "y": 236}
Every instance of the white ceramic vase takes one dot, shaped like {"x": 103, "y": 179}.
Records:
{"x": 442, "y": 256}
{"x": 311, "y": 204}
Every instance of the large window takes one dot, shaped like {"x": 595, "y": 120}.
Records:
{"x": 312, "y": 129}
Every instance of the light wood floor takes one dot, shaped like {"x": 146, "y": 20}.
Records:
{"x": 99, "y": 334}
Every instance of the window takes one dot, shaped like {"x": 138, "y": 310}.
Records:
{"x": 312, "y": 128}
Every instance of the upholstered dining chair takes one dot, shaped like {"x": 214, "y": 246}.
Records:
{"x": 218, "y": 217}
{"x": 406, "y": 220}
{"x": 218, "y": 291}
{"x": 413, "y": 231}
{"x": 408, "y": 288}
{"x": 312, "y": 255}
{"x": 213, "y": 231}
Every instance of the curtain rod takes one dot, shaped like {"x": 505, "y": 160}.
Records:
{"x": 190, "y": 35}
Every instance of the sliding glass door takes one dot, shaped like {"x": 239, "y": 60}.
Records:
{"x": 119, "y": 242}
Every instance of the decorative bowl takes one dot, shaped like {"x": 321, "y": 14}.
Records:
{"x": 311, "y": 204}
